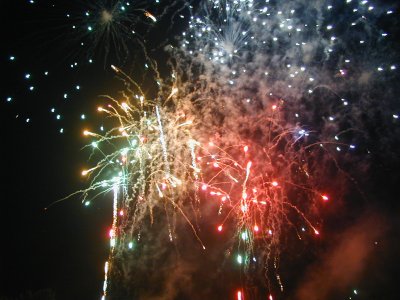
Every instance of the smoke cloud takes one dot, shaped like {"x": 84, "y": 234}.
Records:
{"x": 343, "y": 265}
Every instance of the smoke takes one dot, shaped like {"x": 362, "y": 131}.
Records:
{"x": 177, "y": 280}
{"x": 277, "y": 95}
{"x": 342, "y": 266}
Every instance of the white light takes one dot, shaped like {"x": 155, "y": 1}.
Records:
{"x": 239, "y": 259}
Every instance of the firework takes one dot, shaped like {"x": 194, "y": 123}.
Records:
{"x": 252, "y": 122}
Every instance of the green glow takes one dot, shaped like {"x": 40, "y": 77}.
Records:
{"x": 239, "y": 259}
{"x": 244, "y": 235}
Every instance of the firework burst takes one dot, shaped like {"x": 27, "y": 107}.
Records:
{"x": 252, "y": 121}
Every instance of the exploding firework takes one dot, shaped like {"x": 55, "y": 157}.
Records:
{"x": 108, "y": 27}
{"x": 154, "y": 161}
{"x": 105, "y": 30}
{"x": 151, "y": 153}
{"x": 251, "y": 124}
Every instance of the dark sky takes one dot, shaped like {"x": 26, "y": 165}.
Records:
{"x": 63, "y": 249}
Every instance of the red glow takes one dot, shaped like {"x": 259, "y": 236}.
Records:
{"x": 121, "y": 212}
{"x": 325, "y": 197}
{"x": 111, "y": 233}
{"x": 316, "y": 231}
{"x": 239, "y": 295}
{"x": 220, "y": 228}
{"x": 274, "y": 183}
{"x": 246, "y": 148}
{"x": 256, "y": 229}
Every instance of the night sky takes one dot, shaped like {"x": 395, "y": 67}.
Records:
{"x": 49, "y": 92}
